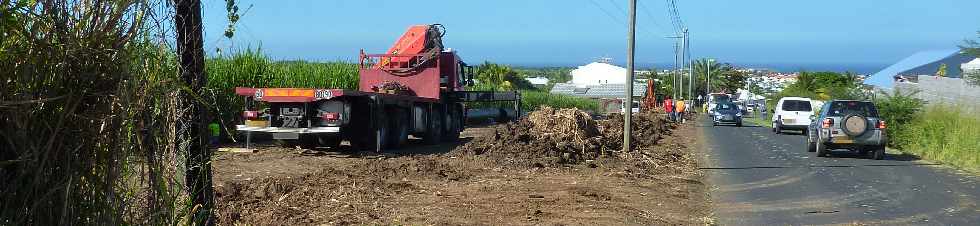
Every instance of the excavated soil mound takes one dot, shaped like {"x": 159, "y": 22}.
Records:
{"x": 648, "y": 128}
{"x": 562, "y": 136}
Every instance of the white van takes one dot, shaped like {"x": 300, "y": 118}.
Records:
{"x": 792, "y": 113}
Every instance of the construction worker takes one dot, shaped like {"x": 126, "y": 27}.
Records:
{"x": 669, "y": 108}
{"x": 680, "y": 107}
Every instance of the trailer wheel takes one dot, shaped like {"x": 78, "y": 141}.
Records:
{"x": 433, "y": 133}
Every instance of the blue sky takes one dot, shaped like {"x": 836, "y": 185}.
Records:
{"x": 572, "y": 32}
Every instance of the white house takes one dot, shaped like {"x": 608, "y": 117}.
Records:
{"x": 972, "y": 66}
{"x": 599, "y": 73}
{"x": 538, "y": 81}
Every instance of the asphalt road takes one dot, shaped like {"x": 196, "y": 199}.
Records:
{"x": 760, "y": 178}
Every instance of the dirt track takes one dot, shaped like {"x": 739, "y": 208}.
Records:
{"x": 449, "y": 185}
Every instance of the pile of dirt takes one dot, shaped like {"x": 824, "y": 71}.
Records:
{"x": 551, "y": 136}
{"x": 648, "y": 128}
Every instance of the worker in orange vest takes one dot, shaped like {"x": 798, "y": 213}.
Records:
{"x": 679, "y": 107}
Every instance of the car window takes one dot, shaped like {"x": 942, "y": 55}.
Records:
{"x": 796, "y": 105}
{"x": 725, "y": 106}
{"x": 721, "y": 98}
{"x": 842, "y": 108}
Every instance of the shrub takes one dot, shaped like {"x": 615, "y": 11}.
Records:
{"x": 899, "y": 110}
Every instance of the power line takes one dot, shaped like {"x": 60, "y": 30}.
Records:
{"x": 653, "y": 19}
{"x": 623, "y": 12}
{"x": 610, "y": 15}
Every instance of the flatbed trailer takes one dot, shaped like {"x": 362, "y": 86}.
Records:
{"x": 419, "y": 93}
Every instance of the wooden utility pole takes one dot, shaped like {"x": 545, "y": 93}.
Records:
{"x": 628, "y": 104}
{"x": 190, "y": 47}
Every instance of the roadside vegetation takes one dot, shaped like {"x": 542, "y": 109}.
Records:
{"x": 497, "y": 77}
{"x": 90, "y": 119}
{"x": 947, "y": 134}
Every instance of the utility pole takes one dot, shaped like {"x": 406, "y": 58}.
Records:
{"x": 683, "y": 56}
{"x": 190, "y": 49}
{"x": 674, "y": 73}
{"x": 690, "y": 71}
{"x": 630, "y": 52}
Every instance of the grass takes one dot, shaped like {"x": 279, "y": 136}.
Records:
{"x": 532, "y": 100}
{"x": 758, "y": 120}
{"x": 947, "y": 134}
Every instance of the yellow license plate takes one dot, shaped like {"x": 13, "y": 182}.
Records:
{"x": 257, "y": 123}
{"x": 843, "y": 141}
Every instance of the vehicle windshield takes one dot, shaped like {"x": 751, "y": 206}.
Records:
{"x": 796, "y": 105}
{"x": 842, "y": 108}
{"x": 726, "y": 107}
{"x": 718, "y": 98}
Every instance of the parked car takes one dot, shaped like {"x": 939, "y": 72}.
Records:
{"x": 726, "y": 113}
{"x": 848, "y": 124}
{"x": 792, "y": 113}
{"x": 750, "y": 108}
{"x": 635, "y": 108}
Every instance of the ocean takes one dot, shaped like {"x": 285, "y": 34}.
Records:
{"x": 857, "y": 68}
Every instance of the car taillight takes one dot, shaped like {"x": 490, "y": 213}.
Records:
{"x": 250, "y": 114}
{"x": 827, "y": 122}
{"x": 331, "y": 116}
{"x": 881, "y": 124}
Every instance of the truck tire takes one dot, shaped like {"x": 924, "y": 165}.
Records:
{"x": 304, "y": 142}
{"x": 369, "y": 139}
{"x": 332, "y": 142}
{"x": 821, "y": 149}
{"x": 433, "y": 132}
{"x": 398, "y": 133}
{"x": 453, "y": 126}
{"x": 878, "y": 153}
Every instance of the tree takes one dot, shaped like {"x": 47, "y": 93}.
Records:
{"x": 496, "y": 76}
{"x": 701, "y": 68}
{"x": 190, "y": 47}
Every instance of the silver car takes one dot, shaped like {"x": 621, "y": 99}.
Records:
{"x": 847, "y": 124}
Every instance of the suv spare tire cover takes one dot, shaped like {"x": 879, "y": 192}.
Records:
{"x": 854, "y": 125}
